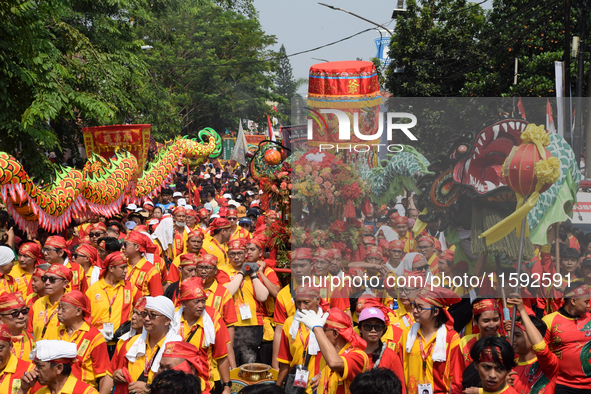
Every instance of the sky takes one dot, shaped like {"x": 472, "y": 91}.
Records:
{"x": 304, "y": 24}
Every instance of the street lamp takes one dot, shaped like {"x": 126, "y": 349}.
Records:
{"x": 355, "y": 15}
{"x": 400, "y": 10}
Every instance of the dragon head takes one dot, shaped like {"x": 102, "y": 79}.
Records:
{"x": 480, "y": 165}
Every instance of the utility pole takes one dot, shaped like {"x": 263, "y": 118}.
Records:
{"x": 567, "y": 111}
{"x": 578, "y": 143}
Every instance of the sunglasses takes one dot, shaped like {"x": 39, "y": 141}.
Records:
{"x": 96, "y": 234}
{"x": 16, "y": 313}
{"x": 232, "y": 219}
{"x": 47, "y": 250}
{"x": 422, "y": 268}
{"x": 152, "y": 315}
{"x": 51, "y": 279}
{"x": 373, "y": 327}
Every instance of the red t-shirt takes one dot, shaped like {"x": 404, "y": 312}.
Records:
{"x": 570, "y": 340}
{"x": 537, "y": 375}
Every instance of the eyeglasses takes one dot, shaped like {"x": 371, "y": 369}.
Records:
{"x": 423, "y": 247}
{"x": 47, "y": 250}
{"x": 373, "y": 327}
{"x": 420, "y": 308}
{"x": 51, "y": 279}
{"x": 95, "y": 234}
{"x": 152, "y": 315}
{"x": 205, "y": 267}
{"x": 16, "y": 313}
{"x": 403, "y": 290}
{"x": 422, "y": 268}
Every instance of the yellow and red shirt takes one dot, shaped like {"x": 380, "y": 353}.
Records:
{"x": 440, "y": 374}
{"x": 212, "y": 246}
{"x": 22, "y": 346}
{"x": 10, "y": 377}
{"x": 219, "y": 298}
{"x": 119, "y": 299}
{"x": 136, "y": 368}
{"x": 72, "y": 386}
{"x": 569, "y": 339}
{"x": 145, "y": 277}
{"x": 43, "y": 317}
{"x": 92, "y": 357}
{"x": 215, "y": 351}
{"x": 292, "y": 351}
{"x": 22, "y": 279}
{"x": 356, "y": 362}
{"x": 245, "y": 295}
{"x": 240, "y": 232}
{"x": 7, "y": 284}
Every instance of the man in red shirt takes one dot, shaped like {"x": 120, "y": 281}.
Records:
{"x": 569, "y": 337}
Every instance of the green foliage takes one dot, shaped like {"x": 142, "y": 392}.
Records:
{"x": 433, "y": 42}
{"x": 69, "y": 64}
{"x": 532, "y": 32}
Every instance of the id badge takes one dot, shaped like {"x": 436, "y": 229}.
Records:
{"x": 301, "y": 376}
{"x": 108, "y": 329}
{"x": 245, "y": 311}
{"x": 425, "y": 388}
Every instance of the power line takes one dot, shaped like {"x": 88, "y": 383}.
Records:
{"x": 271, "y": 58}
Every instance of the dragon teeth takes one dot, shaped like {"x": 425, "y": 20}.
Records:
{"x": 504, "y": 126}
{"x": 476, "y": 150}
{"x": 512, "y": 125}
{"x": 496, "y": 129}
{"x": 467, "y": 166}
{"x": 490, "y": 185}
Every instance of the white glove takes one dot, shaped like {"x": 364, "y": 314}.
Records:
{"x": 109, "y": 337}
{"x": 311, "y": 319}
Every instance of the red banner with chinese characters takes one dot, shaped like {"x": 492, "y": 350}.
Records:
{"x": 105, "y": 140}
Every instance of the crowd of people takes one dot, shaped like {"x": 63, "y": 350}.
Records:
{"x": 171, "y": 295}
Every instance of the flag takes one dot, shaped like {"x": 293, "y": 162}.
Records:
{"x": 521, "y": 108}
{"x": 241, "y": 147}
{"x": 271, "y": 134}
{"x": 549, "y": 118}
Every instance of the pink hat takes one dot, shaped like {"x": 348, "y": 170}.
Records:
{"x": 369, "y": 313}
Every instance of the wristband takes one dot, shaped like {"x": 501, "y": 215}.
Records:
{"x": 316, "y": 326}
{"x": 253, "y": 277}
{"x": 227, "y": 384}
{"x": 240, "y": 272}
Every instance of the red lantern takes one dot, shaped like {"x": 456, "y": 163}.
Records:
{"x": 519, "y": 169}
{"x": 272, "y": 157}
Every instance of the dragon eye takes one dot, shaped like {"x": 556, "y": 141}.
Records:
{"x": 462, "y": 148}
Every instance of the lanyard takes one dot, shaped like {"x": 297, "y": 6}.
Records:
{"x": 22, "y": 343}
{"x": 219, "y": 247}
{"x": 47, "y": 321}
{"x": 424, "y": 356}
{"x": 5, "y": 284}
{"x": 111, "y": 302}
{"x": 305, "y": 344}
{"x": 148, "y": 364}
{"x": 128, "y": 277}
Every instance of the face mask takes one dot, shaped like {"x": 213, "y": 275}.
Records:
{"x": 180, "y": 224}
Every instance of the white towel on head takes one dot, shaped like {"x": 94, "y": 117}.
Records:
{"x": 164, "y": 232}
{"x": 48, "y": 350}
{"x": 439, "y": 351}
{"x": 313, "y": 347}
{"x": 6, "y": 255}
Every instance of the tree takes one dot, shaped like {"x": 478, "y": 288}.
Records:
{"x": 286, "y": 87}
{"x": 66, "y": 64}
{"x": 215, "y": 69}
{"x": 532, "y": 32}
{"x": 433, "y": 43}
